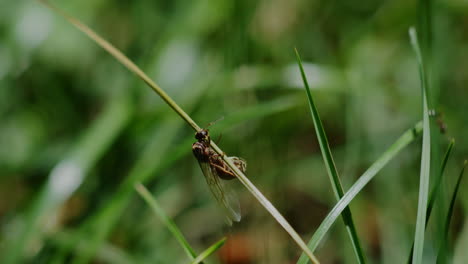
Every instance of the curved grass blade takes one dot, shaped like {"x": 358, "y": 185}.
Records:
{"x": 443, "y": 255}
{"x": 209, "y": 251}
{"x": 404, "y": 140}
{"x": 425, "y": 158}
{"x": 136, "y": 70}
{"x": 331, "y": 168}
{"x": 438, "y": 180}
{"x": 434, "y": 192}
{"x": 146, "y": 195}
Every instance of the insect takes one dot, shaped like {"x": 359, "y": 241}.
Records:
{"x": 217, "y": 172}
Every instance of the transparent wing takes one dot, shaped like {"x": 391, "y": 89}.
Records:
{"x": 224, "y": 196}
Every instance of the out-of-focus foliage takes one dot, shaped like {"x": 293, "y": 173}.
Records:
{"x": 78, "y": 130}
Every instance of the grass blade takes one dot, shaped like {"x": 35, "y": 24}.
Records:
{"x": 146, "y": 195}
{"x": 331, "y": 168}
{"x": 209, "y": 251}
{"x": 405, "y": 139}
{"x": 425, "y": 159}
{"x": 136, "y": 70}
{"x": 442, "y": 256}
{"x": 434, "y": 192}
{"x": 438, "y": 180}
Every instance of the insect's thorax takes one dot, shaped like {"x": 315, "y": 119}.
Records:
{"x": 201, "y": 151}
{"x": 203, "y": 136}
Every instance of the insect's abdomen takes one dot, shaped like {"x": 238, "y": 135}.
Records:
{"x": 223, "y": 170}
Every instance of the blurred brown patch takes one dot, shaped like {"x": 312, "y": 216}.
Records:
{"x": 238, "y": 249}
{"x": 370, "y": 230}
{"x": 73, "y": 208}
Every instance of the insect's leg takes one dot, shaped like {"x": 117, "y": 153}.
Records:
{"x": 227, "y": 170}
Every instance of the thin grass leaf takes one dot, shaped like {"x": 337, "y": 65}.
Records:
{"x": 443, "y": 255}
{"x": 438, "y": 180}
{"x": 136, "y": 70}
{"x": 159, "y": 212}
{"x": 425, "y": 159}
{"x": 206, "y": 253}
{"x": 404, "y": 140}
{"x": 331, "y": 168}
{"x": 434, "y": 192}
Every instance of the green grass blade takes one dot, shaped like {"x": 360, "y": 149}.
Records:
{"x": 443, "y": 255}
{"x": 434, "y": 192}
{"x": 404, "y": 140}
{"x": 206, "y": 253}
{"x": 159, "y": 212}
{"x": 425, "y": 159}
{"x": 438, "y": 180}
{"x": 331, "y": 168}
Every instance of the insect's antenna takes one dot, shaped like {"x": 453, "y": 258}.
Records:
{"x": 214, "y": 122}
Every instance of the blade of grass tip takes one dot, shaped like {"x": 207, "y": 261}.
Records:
{"x": 135, "y": 69}
{"x": 146, "y": 195}
{"x": 443, "y": 255}
{"x": 403, "y": 141}
{"x": 206, "y": 253}
{"x": 124, "y": 60}
{"x": 425, "y": 159}
{"x": 330, "y": 166}
{"x": 434, "y": 192}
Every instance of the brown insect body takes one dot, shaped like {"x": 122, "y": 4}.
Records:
{"x": 215, "y": 170}
{"x": 203, "y": 152}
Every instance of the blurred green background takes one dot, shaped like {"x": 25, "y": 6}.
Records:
{"x": 78, "y": 130}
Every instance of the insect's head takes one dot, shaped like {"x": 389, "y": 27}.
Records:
{"x": 203, "y": 136}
